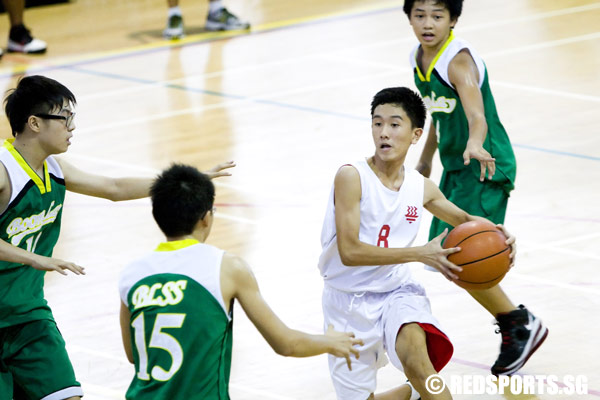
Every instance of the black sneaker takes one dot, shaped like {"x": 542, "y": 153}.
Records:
{"x": 21, "y": 41}
{"x": 522, "y": 334}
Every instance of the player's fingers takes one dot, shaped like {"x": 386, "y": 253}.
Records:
{"x": 451, "y": 250}
{"x": 355, "y": 352}
{"x": 491, "y": 169}
{"x": 450, "y": 269}
{"x": 348, "y": 362}
{"x": 442, "y": 235}
{"x": 357, "y": 342}
{"x": 58, "y": 269}
{"x": 225, "y": 165}
{"x": 76, "y": 269}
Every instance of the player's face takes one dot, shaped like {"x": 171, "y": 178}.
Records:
{"x": 393, "y": 132}
{"x": 431, "y": 23}
{"x": 56, "y": 134}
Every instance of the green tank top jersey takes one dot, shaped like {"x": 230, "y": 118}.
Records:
{"x": 31, "y": 221}
{"x": 181, "y": 333}
{"x": 449, "y": 117}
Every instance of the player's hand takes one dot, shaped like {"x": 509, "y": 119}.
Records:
{"x": 510, "y": 241}
{"x": 342, "y": 344}
{"x": 220, "y": 170}
{"x": 433, "y": 254}
{"x": 54, "y": 264}
{"x": 424, "y": 168}
{"x": 486, "y": 161}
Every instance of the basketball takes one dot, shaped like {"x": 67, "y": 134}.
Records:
{"x": 484, "y": 255}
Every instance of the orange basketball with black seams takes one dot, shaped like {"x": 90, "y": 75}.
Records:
{"x": 484, "y": 255}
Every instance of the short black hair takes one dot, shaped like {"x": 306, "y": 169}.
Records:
{"x": 181, "y": 196}
{"x": 453, "y": 6}
{"x": 403, "y": 97}
{"x": 34, "y": 94}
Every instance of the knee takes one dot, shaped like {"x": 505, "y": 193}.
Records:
{"x": 417, "y": 367}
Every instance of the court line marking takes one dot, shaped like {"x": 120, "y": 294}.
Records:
{"x": 199, "y": 39}
{"x": 91, "y": 389}
{"x": 208, "y": 37}
{"x": 264, "y": 98}
{"x": 539, "y": 280}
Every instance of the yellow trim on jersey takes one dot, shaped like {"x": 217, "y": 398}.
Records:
{"x": 176, "y": 245}
{"x": 427, "y": 77}
{"x": 43, "y": 187}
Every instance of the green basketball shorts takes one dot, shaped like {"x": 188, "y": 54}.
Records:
{"x": 34, "y": 363}
{"x": 484, "y": 199}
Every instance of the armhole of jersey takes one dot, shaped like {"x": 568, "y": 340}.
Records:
{"x": 218, "y": 288}
{"x": 474, "y": 56}
{"x": 9, "y": 187}
{"x": 359, "y": 177}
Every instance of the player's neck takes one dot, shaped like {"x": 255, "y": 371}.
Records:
{"x": 390, "y": 173}
{"x": 196, "y": 235}
{"x": 31, "y": 153}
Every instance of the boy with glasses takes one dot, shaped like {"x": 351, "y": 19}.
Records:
{"x": 33, "y": 361}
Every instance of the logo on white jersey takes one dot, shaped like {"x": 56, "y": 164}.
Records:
{"x": 172, "y": 293}
{"x": 440, "y": 104}
{"x": 411, "y": 214}
{"x": 21, "y": 227}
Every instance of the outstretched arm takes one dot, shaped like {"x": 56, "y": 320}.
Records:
{"x": 464, "y": 75}
{"x": 238, "y": 281}
{"x": 118, "y": 189}
{"x": 426, "y": 159}
{"x": 18, "y": 255}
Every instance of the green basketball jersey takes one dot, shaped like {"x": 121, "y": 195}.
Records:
{"x": 449, "y": 117}
{"x": 181, "y": 333}
{"x": 31, "y": 221}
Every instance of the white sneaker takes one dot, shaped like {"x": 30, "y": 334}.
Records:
{"x": 223, "y": 20}
{"x": 174, "y": 29}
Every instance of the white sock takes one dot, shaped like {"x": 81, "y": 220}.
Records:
{"x": 214, "y": 6}
{"x": 174, "y": 11}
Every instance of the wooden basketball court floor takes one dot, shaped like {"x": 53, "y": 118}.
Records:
{"x": 289, "y": 102}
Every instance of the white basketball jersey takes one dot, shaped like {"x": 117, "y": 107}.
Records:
{"x": 388, "y": 218}
{"x": 198, "y": 261}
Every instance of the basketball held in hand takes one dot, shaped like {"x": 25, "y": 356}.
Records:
{"x": 484, "y": 255}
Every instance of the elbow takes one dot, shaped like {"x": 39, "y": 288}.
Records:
{"x": 349, "y": 257}
{"x": 284, "y": 349}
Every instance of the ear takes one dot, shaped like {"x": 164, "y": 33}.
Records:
{"x": 417, "y": 133}
{"x": 33, "y": 123}
{"x": 453, "y": 22}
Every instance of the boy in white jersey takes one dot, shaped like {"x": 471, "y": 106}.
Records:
{"x": 372, "y": 218}
{"x": 34, "y": 363}
{"x": 177, "y": 302}
{"x": 454, "y": 82}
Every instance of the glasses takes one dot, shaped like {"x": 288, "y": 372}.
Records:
{"x": 212, "y": 211}
{"x": 67, "y": 120}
